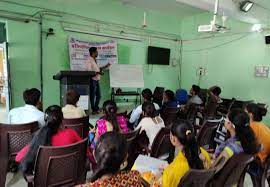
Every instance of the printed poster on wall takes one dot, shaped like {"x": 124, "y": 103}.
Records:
{"x": 79, "y": 52}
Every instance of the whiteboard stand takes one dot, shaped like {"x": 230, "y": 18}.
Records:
{"x": 136, "y": 94}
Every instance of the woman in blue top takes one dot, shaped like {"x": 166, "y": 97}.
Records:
{"x": 242, "y": 138}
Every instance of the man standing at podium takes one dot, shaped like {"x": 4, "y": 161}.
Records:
{"x": 91, "y": 65}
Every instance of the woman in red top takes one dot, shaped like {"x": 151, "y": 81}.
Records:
{"x": 51, "y": 135}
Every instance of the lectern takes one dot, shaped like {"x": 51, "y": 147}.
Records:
{"x": 77, "y": 80}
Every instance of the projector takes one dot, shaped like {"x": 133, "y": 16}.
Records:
{"x": 206, "y": 28}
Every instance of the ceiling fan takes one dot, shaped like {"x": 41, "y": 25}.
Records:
{"x": 213, "y": 26}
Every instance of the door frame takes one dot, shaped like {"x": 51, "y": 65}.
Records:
{"x": 8, "y": 81}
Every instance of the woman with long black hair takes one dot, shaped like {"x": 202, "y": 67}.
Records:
{"x": 190, "y": 154}
{"x": 242, "y": 138}
{"x": 51, "y": 134}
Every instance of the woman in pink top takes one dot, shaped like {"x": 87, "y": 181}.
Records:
{"x": 110, "y": 122}
{"x": 51, "y": 134}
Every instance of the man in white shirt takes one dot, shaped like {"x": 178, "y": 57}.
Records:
{"x": 136, "y": 113}
{"x": 29, "y": 112}
{"x": 91, "y": 65}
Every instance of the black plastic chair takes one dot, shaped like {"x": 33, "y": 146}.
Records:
{"x": 59, "y": 166}
{"x": 197, "y": 178}
{"x": 12, "y": 139}
{"x": 162, "y": 145}
{"x": 233, "y": 171}
{"x": 80, "y": 125}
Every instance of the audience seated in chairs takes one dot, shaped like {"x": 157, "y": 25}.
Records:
{"x": 30, "y": 112}
{"x": 190, "y": 156}
{"x": 111, "y": 156}
{"x": 110, "y": 122}
{"x": 242, "y": 138}
{"x": 136, "y": 113}
{"x": 50, "y": 134}
{"x": 71, "y": 110}
{"x": 151, "y": 122}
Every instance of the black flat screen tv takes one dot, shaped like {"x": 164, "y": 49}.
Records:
{"x": 158, "y": 55}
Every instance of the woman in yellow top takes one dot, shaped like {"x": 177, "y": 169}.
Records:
{"x": 190, "y": 155}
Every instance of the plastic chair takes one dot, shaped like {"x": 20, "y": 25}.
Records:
{"x": 207, "y": 134}
{"x": 233, "y": 171}
{"x": 80, "y": 125}
{"x": 162, "y": 146}
{"x": 197, "y": 178}
{"x": 59, "y": 166}
{"x": 262, "y": 177}
{"x": 132, "y": 147}
{"x": 12, "y": 139}
{"x": 168, "y": 115}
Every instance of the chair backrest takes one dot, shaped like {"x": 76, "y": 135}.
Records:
{"x": 80, "y": 125}
{"x": 232, "y": 171}
{"x": 131, "y": 136}
{"x": 162, "y": 145}
{"x": 158, "y": 95}
{"x": 12, "y": 139}
{"x": 168, "y": 115}
{"x": 133, "y": 148}
{"x": 61, "y": 166}
{"x": 197, "y": 178}
{"x": 192, "y": 112}
{"x": 207, "y": 133}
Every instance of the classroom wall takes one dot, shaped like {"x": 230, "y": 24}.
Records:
{"x": 25, "y": 55}
{"x": 229, "y": 59}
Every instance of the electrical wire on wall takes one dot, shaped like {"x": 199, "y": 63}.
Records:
{"x": 219, "y": 45}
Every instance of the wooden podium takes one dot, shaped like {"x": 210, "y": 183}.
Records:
{"x": 77, "y": 80}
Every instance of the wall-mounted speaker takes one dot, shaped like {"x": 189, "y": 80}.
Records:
{"x": 267, "y": 39}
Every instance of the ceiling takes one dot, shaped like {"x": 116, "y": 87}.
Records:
{"x": 260, "y": 13}
{"x": 170, "y": 7}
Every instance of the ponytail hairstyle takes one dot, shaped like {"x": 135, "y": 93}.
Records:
{"x": 149, "y": 109}
{"x": 243, "y": 131}
{"x": 183, "y": 130}
{"x": 110, "y": 110}
{"x": 110, "y": 152}
{"x": 257, "y": 111}
{"x": 53, "y": 119}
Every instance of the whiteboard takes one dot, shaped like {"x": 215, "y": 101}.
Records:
{"x": 126, "y": 76}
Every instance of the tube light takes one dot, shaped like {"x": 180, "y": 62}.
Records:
{"x": 245, "y": 6}
{"x": 101, "y": 34}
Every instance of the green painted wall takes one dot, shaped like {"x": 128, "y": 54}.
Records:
{"x": 229, "y": 58}
{"x": 24, "y": 44}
